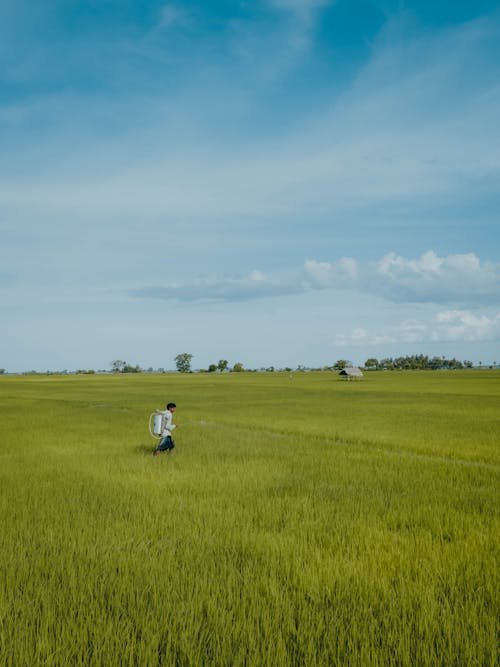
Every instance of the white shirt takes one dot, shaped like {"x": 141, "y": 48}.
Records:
{"x": 166, "y": 424}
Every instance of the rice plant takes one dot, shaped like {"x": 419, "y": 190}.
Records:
{"x": 302, "y": 521}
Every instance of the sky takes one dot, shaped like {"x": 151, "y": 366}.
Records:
{"x": 270, "y": 182}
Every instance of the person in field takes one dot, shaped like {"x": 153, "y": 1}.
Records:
{"x": 166, "y": 443}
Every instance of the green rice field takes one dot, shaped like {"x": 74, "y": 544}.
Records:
{"x": 301, "y": 520}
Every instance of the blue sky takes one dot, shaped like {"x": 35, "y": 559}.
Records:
{"x": 277, "y": 182}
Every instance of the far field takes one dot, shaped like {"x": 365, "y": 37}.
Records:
{"x": 301, "y": 520}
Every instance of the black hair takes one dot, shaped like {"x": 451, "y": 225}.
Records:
{"x": 171, "y": 405}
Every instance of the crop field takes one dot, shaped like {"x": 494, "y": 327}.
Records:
{"x": 301, "y": 520}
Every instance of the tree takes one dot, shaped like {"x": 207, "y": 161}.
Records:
{"x": 212, "y": 368}
{"x": 371, "y": 363}
{"x": 340, "y": 364}
{"x": 183, "y": 362}
{"x": 238, "y": 367}
{"x": 118, "y": 365}
{"x": 222, "y": 365}
{"x": 131, "y": 369}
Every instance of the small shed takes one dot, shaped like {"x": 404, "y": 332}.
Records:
{"x": 351, "y": 373}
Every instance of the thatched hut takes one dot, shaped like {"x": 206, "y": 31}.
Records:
{"x": 351, "y": 373}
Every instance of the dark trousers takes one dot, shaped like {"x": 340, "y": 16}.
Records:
{"x": 166, "y": 444}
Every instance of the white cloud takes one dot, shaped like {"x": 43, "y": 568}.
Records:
{"x": 452, "y": 325}
{"x": 460, "y": 278}
{"x": 326, "y": 274}
{"x": 445, "y": 326}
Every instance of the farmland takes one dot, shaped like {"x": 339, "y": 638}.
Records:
{"x": 301, "y": 520}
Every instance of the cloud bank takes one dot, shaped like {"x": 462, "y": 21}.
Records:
{"x": 458, "y": 279}
{"x": 447, "y": 326}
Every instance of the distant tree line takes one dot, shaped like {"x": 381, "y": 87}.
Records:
{"x": 119, "y": 366}
{"x": 183, "y": 365}
{"x": 416, "y": 362}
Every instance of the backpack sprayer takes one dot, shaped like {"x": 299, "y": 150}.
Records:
{"x": 155, "y": 424}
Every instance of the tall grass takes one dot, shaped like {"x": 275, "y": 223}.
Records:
{"x": 300, "y": 520}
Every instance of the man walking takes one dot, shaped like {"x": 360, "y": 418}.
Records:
{"x": 166, "y": 443}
